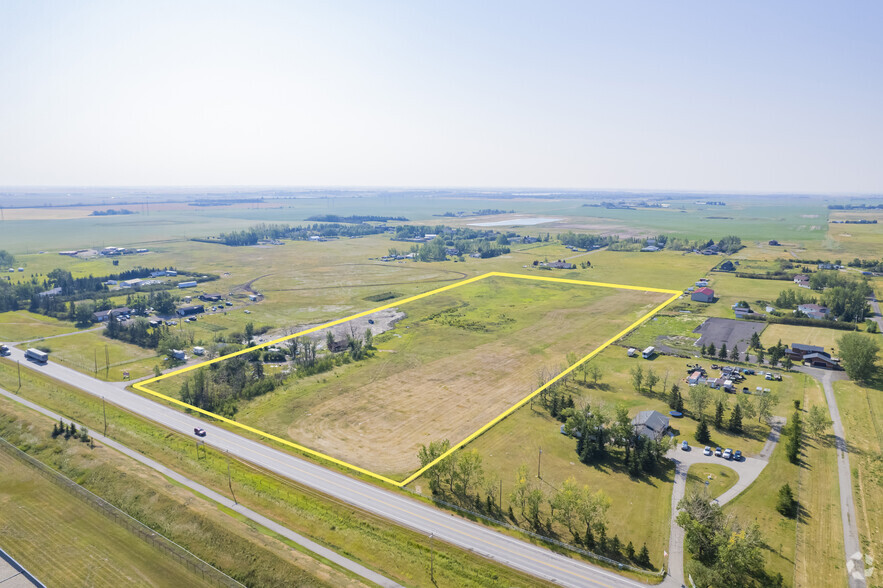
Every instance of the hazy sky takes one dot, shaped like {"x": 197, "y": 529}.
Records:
{"x": 735, "y": 96}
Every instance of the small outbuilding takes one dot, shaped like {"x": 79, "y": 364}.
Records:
{"x": 703, "y": 295}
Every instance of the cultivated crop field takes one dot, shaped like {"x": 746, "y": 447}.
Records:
{"x": 458, "y": 360}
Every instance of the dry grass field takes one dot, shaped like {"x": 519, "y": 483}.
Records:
{"x": 458, "y": 360}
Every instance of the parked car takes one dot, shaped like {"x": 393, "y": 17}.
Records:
{"x": 228, "y": 303}
{"x": 728, "y": 453}
{"x": 707, "y": 450}
{"x": 199, "y": 432}
{"x": 685, "y": 446}
{"x": 718, "y": 452}
{"x": 738, "y": 455}
{"x": 4, "y": 350}
{"x": 745, "y": 390}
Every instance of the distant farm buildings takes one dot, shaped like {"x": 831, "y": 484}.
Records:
{"x": 814, "y": 311}
{"x": 811, "y": 355}
{"x": 190, "y": 310}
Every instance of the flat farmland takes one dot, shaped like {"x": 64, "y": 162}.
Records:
{"x": 458, "y": 360}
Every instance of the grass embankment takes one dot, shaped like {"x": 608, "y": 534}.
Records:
{"x": 720, "y": 478}
{"x": 395, "y": 552}
{"x": 63, "y": 540}
{"x": 861, "y": 409}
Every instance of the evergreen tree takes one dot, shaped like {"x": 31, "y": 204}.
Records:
{"x": 722, "y": 354}
{"x": 616, "y": 547}
{"x": 680, "y": 407}
{"x": 712, "y": 351}
{"x": 703, "y": 351}
{"x": 736, "y": 419}
{"x": 702, "y": 434}
{"x": 590, "y": 539}
{"x": 755, "y": 341}
{"x": 644, "y": 556}
{"x": 673, "y": 397}
{"x": 760, "y": 355}
{"x": 734, "y": 354}
{"x": 786, "y": 505}
{"x": 630, "y": 551}
{"x": 719, "y": 414}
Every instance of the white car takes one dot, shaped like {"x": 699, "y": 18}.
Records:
{"x": 706, "y": 451}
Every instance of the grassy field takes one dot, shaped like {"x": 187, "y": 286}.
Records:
{"x": 21, "y": 325}
{"x": 63, "y": 540}
{"x": 720, "y": 478}
{"x": 391, "y": 550}
{"x": 861, "y": 409}
{"x": 789, "y": 334}
{"x": 458, "y": 360}
{"x": 675, "y": 331}
{"x": 86, "y": 351}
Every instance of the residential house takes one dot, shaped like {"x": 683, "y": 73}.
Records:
{"x": 815, "y": 311}
{"x": 209, "y": 297}
{"x": 821, "y": 360}
{"x": 650, "y": 424}
{"x": 105, "y": 315}
{"x": 190, "y": 310}
{"x": 802, "y": 280}
{"x": 703, "y": 295}
{"x": 560, "y": 265}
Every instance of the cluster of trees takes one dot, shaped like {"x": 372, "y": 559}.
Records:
{"x": 111, "y": 212}
{"x": 871, "y": 265}
{"x": 585, "y": 240}
{"x": 858, "y": 355}
{"x": 711, "y": 351}
{"x": 436, "y": 250}
{"x": 138, "y": 332}
{"x": 219, "y": 387}
{"x": 597, "y": 431}
{"x": 355, "y": 219}
{"x": 59, "y": 429}
{"x": 854, "y": 206}
{"x": 723, "y": 552}
{"x": 256, "y": 233}
{"x": 6, "y": 259}
{"x": 460, "y": 476}
{"x": 792, "y": 298}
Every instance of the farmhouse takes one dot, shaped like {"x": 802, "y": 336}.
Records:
{"x": 650, "y": 424}
{"x": 105, "y": 315}
{"x": 703, "y": 295}
{"x": 133, "y": 283}
{"x": 190, "y": 310}
{"x": 560, "y": 265}
{"x": 209, "y": 297}
{"x": 815, "y": 311}
{"x": 802, "y": 280}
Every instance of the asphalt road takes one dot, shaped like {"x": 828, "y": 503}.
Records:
{"x": 526, "y": 557}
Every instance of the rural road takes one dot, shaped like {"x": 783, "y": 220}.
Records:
{"x": 855, "y": 565}
{"x": 486, "y": 542}
{"x": 878, "y": 317}
{"x": 748, "y": 469}
{"x": 220, "y": 499}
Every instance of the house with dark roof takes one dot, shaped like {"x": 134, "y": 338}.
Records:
{"x": 703, "y": 295}
{"x": 190, "y": 310}
{"x": 811, "y": 355}
{"x": 209, "y": 297}
{"x": 650, "y": 424}
{"x": 802, "y": 280}
{"x": 105, "y": 315}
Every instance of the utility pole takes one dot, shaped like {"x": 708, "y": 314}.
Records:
{"x": 96, "y": 360}
{"x": 18, "y": 363}
{"x": 229, "y": 479}
{"x": 539, "y": 461}
{"x": 432, "y": 557}
{"x": 106, "y": 361}
{"x": 104, "y": 411}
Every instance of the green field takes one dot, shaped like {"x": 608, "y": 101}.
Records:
{"x": 719, "y": 479}
{"x": 63, "y": 540}
{"x": 21, "y": 325}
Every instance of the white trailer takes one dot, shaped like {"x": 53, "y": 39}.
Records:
{"x": 37, "y": 355}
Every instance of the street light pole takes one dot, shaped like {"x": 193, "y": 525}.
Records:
{"x": 432, "y": 557}
{"x": 104, "y": 410}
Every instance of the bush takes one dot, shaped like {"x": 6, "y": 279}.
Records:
{"x": 787, "y": 504}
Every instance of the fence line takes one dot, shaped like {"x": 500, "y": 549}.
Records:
{"x": 566, "y": 546}
{"x": 208, "y": 572}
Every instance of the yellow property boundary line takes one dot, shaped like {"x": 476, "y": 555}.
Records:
{"x": 142, "y": 386}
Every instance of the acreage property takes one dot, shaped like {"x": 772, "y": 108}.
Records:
{"x": 463, "y": 357}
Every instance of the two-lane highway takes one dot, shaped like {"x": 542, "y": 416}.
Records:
{"x": 518, "y": 554}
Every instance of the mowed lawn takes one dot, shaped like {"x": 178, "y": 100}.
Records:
{"x": 789, "y": 334}
{"x": 21, "y": 325}
{"x": 64, "y": 541}
{"x": 719, "y": 479}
